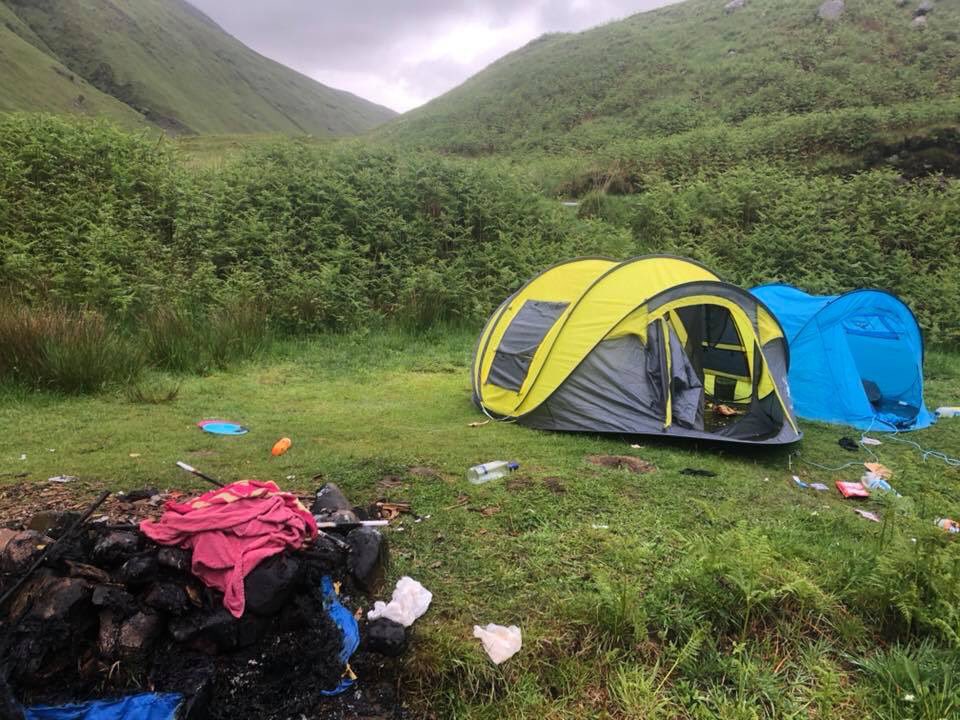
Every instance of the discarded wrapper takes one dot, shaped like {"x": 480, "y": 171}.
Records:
{"x": 410, "y": 600}
{"x": 852, "y": 489}
{"x": 501, "y": 643}
{"x": 948, "y": 525}
{"x": 867, "y": 514}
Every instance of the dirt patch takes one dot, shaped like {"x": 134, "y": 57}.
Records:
{"x": 518, "y": 483}
{"x": 623, "y": 462}
{"x": 554, "y": 485}
{"x": 424, "y": 472}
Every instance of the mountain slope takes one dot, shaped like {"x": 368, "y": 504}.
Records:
{"x": 691, "y": 65}
{"x": 30, "y": 78}
{"x": 174, "y": 66}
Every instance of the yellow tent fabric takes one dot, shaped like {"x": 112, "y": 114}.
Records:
{"x": 580, "y": 331}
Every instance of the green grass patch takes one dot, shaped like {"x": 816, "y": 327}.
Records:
{"x": 639, "y": 596}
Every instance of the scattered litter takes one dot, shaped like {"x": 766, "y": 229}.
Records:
{"x": 872, "y": 481}
{"x": 62, "y": 478}
{"x": 948, "y": 411}
{"x": 291, "y": 477}
{"x": 23, "y": 456}
{"x": 948, "y": 525}
{"x": 132, "y": 496}
{"x": 479, "y": 474}
{"x": 281, "y": 446}
{"x": 478, "y": 423}
{"x": 697, "y": 472}
{"x": 595, "y": 526}
{"x": 637, "y": 447}
{"x": 820, "y": 487}
{"x": 848, "y": 444}
{"x": 501, "y": 643}
{"x": 134, "y": 455}
{"x": 347, "y": 625}
{"x": 145, "y": 706}
{"x": 51, "y": 449}
{"x": 852, "y": 489}
{"x": 869, "y": 441}
{"x": 873, "y": 517}
{"x": 800, "y": 483}
{"x": 222, "y": 427}
{"x": 726, "y": 411}
{"x": 622, "y": 462}
{"x": 390, "y": 510}
{"x": 878, "y": 469}
{"x": 410, "y": 600}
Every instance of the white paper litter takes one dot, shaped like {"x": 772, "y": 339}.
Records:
{"x": 410, "y": 600}
{"x": 501, "y": 643}
{"x": 870, "y": 441}
{"x": 62, "y": 478}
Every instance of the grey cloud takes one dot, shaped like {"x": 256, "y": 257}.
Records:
{"x": 377, "y": 41}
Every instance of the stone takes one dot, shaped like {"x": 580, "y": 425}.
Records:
{"x": 115, "y": 598}
{"x": 270, "y": 585}
{"x": 138, "y": 634}
{"x": 920, "y": 22}
{"x": 174, "y": 558}
{"x": 831, "y": 10}
{"x": 167, "y": 597}
{"x": 217, "y": 623}
{"x": 734, "y": 5}
{"x": 924, "y": 8}
{"x": 22, "y": 550}
{"x": 367, "y": 558}
{"x": 114, "y": 547}
{"x": 386, "y": 637}
{"x": 133, "y": 496}
{"x": 60, "y": 599}
{"x": 52, "y": 523}
{"x": 138, "y": 570}
{"x": 331, "y": 505}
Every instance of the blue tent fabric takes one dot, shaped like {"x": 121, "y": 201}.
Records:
{"x": 146, "y": 706}
{"x": 855, "y": 359}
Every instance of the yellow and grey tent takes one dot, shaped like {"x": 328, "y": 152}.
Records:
{"x": 652, "y": 345}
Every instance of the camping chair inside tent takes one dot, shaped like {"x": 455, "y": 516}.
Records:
{"x": 856, "y": 359}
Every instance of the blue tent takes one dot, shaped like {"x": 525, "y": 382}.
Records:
{"x": 855, "y": 359}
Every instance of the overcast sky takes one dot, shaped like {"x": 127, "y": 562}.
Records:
{"x": 401, "y": 53}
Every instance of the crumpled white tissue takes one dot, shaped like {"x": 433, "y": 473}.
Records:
{"x": 410, "y": 600}
{"x": 501, "y": 643}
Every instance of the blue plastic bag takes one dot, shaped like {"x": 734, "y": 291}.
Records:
{"x": 347, "y": 624}
{"x": 146, "y": 706}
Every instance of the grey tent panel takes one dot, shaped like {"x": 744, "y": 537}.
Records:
{"x": 523, "y": 336}
{"x": 685, "y": 386}
{"x": 619, "y": 387}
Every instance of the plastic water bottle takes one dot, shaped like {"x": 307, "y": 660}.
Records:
{"x": 495, "y": 470}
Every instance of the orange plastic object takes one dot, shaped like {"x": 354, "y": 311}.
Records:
{"x": 281, "y": 446}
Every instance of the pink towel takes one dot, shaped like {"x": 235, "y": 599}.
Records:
{"x": 231, "y": 530}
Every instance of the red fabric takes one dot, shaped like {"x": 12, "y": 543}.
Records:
{"x": 231, "y": 530}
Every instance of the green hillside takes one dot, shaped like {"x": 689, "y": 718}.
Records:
{"x": 697, "y": 65}
{"x": 161, "y": 62}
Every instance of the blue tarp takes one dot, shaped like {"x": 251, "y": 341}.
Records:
{"x": 855, "y": 359}
{"x": 146, "y": 706}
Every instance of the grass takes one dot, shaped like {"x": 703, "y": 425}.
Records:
{"x": 632, "y": 591}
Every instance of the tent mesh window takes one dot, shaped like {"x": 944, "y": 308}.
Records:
{"x": 520, "y": 342}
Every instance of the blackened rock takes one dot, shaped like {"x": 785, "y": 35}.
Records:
{"x": 924, "y": 8}
{"x": 138, "y": 634}
{"x": 386, "y": 637}
{"x": 331, "y": 505}
{"x": 22, "y": 550}
{"x": 52, "y": 523}
{"x": 368, "y": 557}
{"x": 115, "y": 547}
{"x": 108, "y": 635}
{"x": 219, "y": 624}
{"x": 174, "y": 558}
{"x": 269, "y": 586}
{"x": 135, "y": 495}
{"x": 115, "y": 598}
{"x": 168, "y": 597}
{"x": 61, "y": 598}
{"x": 138, "y": 570}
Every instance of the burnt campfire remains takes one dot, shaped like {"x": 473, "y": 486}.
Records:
{"x": 94, "y": 609}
